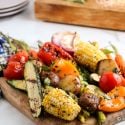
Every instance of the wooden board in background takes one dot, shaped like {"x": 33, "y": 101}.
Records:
{"x": 19, "y": 100}
{"x": 94, "y": 13}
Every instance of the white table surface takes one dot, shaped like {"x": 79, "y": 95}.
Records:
{"x": 26, "y": 27}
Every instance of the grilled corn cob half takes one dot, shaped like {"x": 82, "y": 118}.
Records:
{"x": 61, "y": 105}
{"x": 88, "y": 55}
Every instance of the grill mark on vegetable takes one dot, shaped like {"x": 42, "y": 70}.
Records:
{"x": 33, "y": 111}
{"x": 32, "y": 81}
{"x": 53, "y": 105}
{"x": 115, "y": 95}
{"x": 58, "y": 71}
{"x": 36, "y": 104}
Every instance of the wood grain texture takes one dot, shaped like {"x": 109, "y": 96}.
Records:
{"x": 19, "y": 100}
{"x": 95, "y": 13}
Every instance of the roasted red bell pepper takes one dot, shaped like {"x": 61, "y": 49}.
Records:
{"x": 49, "y": 52}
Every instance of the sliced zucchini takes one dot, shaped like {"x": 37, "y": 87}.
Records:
{"x": 33, "y": 88}
{"x": 106, "y": 65}
{"x": 18, "y": 84}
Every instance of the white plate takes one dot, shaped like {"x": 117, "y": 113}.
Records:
{"x": 14, "y": 8}
{"x": 10, "y": 3}
{"x": 12, "y": 12}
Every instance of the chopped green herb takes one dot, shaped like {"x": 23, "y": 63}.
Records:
{"x": 45, "y": 68}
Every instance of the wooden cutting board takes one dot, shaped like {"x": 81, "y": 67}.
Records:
{"x": 19, "y": 100}
{"x": 94, "y": 13}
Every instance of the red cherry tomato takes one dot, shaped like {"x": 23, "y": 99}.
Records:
{"x": 33, "y": 54}
{"x": 14, "y": 70}
{"x": 21, "y": 56}
{"x": 109, "y": 80}
{"x": 49, "y": 52}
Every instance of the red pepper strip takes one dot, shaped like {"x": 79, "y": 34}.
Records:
{"x": 49, "y": 52}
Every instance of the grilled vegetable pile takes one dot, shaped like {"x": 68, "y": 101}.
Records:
{"x": 67, "y": 78}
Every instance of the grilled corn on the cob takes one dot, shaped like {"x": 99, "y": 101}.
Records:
{"x": 88, "y": 55}
{"x": 61, "y": 105}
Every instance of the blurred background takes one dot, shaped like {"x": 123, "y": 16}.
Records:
{"x": 26, "y": 26}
